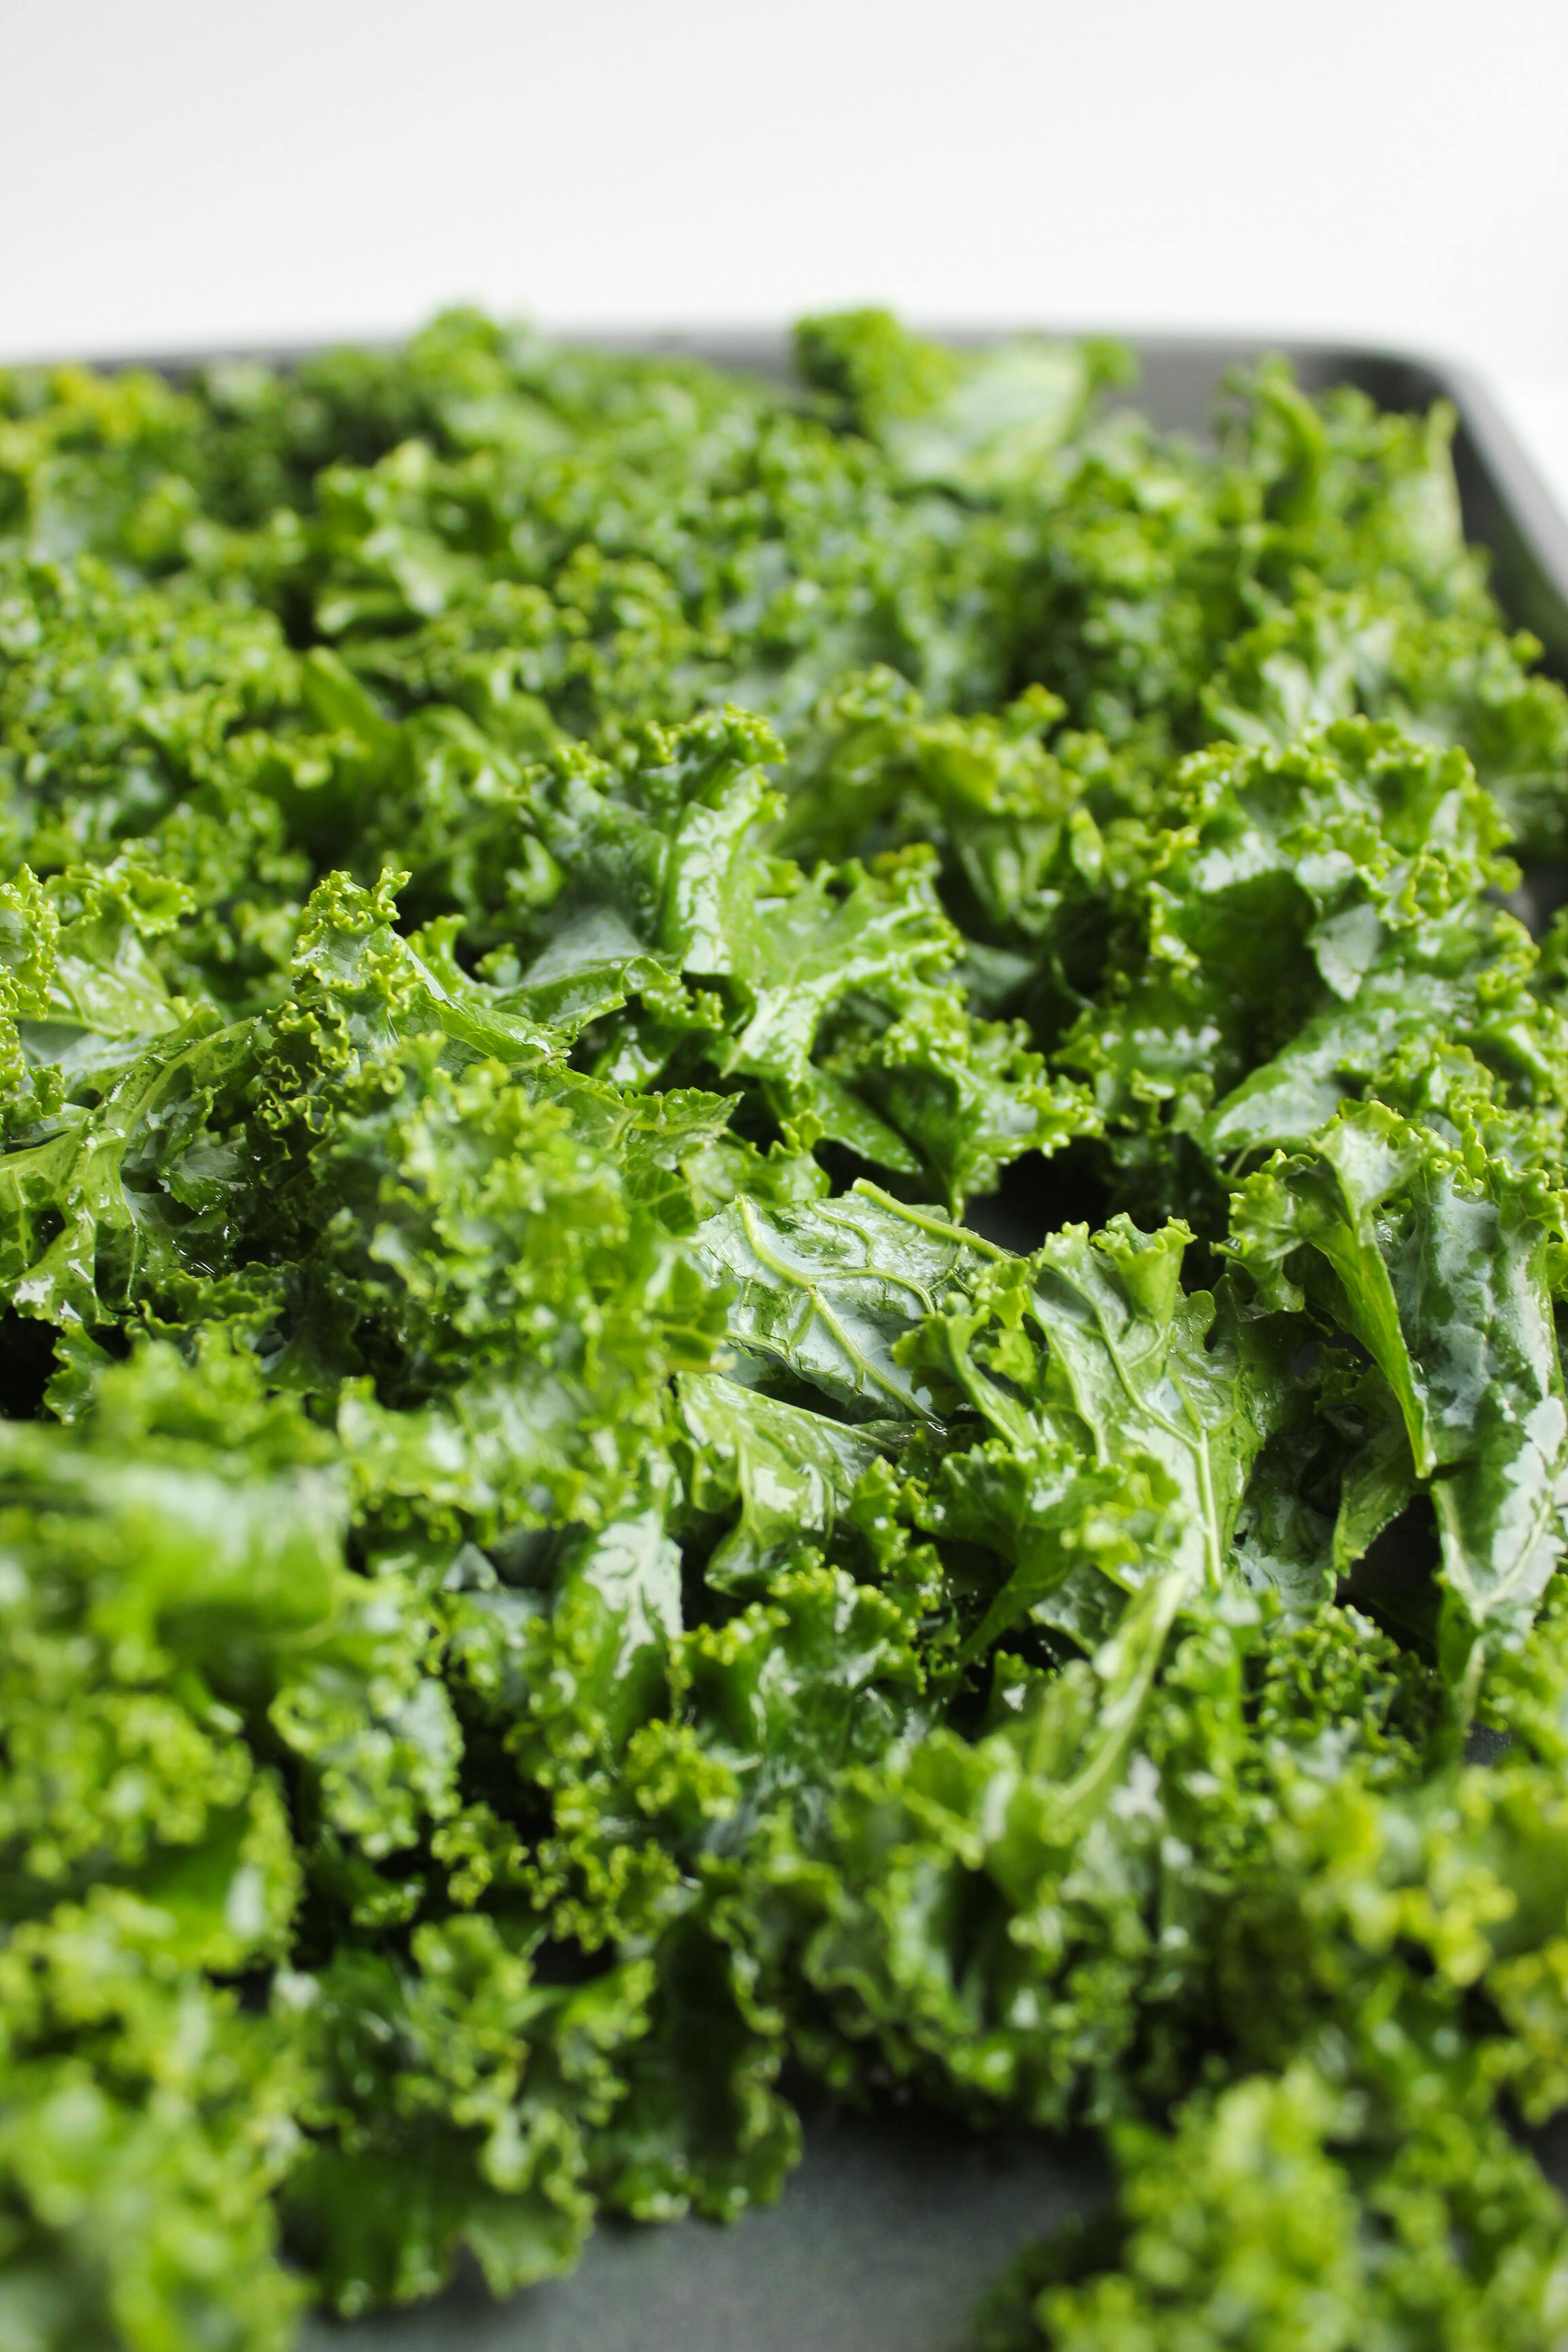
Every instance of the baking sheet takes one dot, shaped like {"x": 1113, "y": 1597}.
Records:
{"x": 895, "y": 2225}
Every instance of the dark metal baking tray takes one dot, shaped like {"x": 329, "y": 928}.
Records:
{"x": 895, "y": 2224}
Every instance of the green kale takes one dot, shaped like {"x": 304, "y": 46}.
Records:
{"x": 560, "y": 915}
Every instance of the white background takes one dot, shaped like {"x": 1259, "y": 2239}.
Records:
{"x": 185, "y": 173}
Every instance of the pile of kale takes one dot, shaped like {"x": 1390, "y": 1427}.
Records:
{"x": 553, "y": 1583}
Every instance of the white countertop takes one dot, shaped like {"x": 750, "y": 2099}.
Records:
{"x": 175, "y": 175}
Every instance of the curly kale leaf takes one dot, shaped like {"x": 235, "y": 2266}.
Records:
{"x": 790, "y": 1473}
{"x": 1307, "y": 913}
{"x": 180, "y": 1622}
{"x": 826, "y": 1289}
{"x": 1259, "y": 2221}
{"x": 979, "y": 423}
{"x": 453, "y": 2106}
{"x": 1436, "y": 1262}
{"x": 830, "y": 993}
{"x": 1090, "y": 1364}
